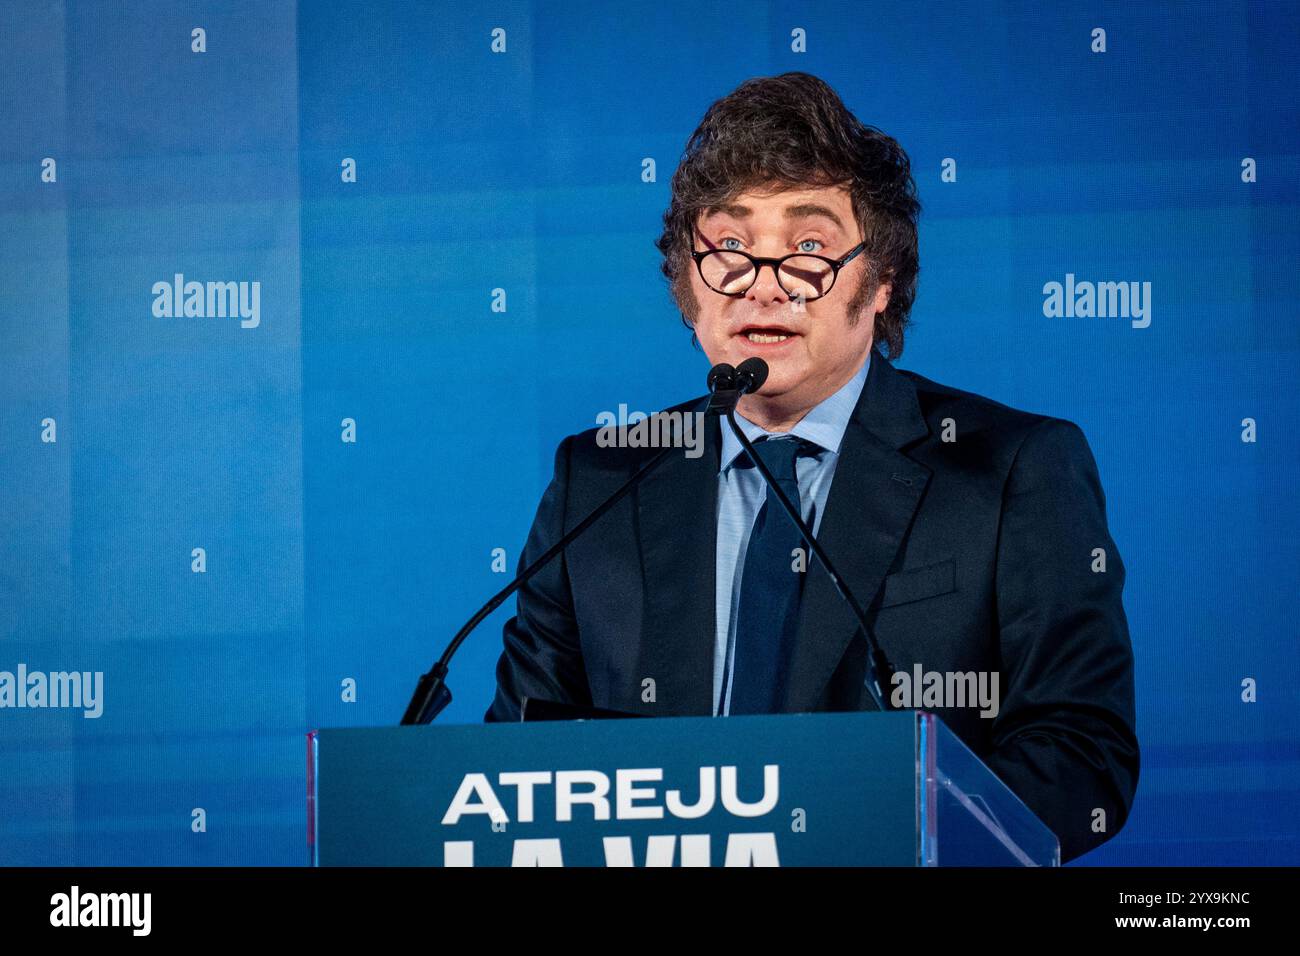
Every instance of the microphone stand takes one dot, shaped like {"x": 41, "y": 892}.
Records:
{"x": 726, "y": 386}
{"x": 431, "y": 693}
{"x": 877, "y": 664}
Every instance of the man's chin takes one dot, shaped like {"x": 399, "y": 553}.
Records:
{"x": 778, "y": 386}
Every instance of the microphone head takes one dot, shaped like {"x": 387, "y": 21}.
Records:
{"x": 751, "y": 374}
{"x": 721, "y": 376}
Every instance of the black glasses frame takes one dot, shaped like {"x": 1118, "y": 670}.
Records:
{"x": 758, "y": 263}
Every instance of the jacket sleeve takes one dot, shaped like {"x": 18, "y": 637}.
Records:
{"x": 1064, "y": 738}
{"x": 542, "y": 656}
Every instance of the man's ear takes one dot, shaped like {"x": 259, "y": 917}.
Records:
{"x": 883, "y": 293}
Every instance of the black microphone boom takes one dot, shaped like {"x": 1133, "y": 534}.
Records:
{"x": 431, "y": 693}
{"x": 750, "y": 376}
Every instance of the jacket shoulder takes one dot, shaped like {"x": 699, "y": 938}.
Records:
{"x": 972, "y": 413}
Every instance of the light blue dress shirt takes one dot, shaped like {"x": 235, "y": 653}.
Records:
{"x": 741, "y": 493}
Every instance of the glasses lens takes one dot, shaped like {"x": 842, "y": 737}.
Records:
{"x": 807, "y": 277}
{"x": 727, "y": 272}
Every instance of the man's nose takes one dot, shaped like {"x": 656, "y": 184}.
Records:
{"x": 766, "y": 289}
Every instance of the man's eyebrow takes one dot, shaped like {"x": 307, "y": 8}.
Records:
{"x": 801, "y": 211}
{"x": 811, "y": 209}
{"x": 733, "y": 210}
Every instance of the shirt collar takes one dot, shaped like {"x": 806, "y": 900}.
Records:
{"x": 824, "y": 424}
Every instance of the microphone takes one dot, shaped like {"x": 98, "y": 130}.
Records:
{"x": 721, "y": 375}
{"x": 751, "y": 374}
{"x": 432, "y": 694}
{"x": 722, "y": 389}
{"x": 749, "y": 377}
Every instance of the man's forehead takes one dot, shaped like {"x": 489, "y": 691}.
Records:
{"x": 828, "y": 203}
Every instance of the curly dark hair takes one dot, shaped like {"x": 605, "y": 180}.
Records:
{"x": 792, "y": 131}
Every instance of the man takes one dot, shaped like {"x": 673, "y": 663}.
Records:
{"x": 974, "y": 534}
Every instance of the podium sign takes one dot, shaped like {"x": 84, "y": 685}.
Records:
{"x": 838, "y": 789}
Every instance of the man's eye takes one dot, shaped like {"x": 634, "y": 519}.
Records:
{"x": 724, "y": 242}
{"x": 817, "y": 242}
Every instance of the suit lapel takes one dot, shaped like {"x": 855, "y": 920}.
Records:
{"x": 677, "y": 516}
{"x": 874, "y": 494}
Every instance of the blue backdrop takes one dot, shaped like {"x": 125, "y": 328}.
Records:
{"x": 133, "y": 149}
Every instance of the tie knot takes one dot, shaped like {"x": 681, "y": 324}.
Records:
{"x": 779, "y": 455}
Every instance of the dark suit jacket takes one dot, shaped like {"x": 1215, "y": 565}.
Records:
{"x": 969, "y": 555}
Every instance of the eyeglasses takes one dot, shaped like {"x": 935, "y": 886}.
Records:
{"x": 801, "y": 275}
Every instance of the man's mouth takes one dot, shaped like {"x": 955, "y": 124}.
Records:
{"x": 766, "y": 334}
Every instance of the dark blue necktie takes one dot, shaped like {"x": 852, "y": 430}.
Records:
{"x": 770, "y": 588}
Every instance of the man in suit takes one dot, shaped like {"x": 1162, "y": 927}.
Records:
{"x": 973, "y": 534}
